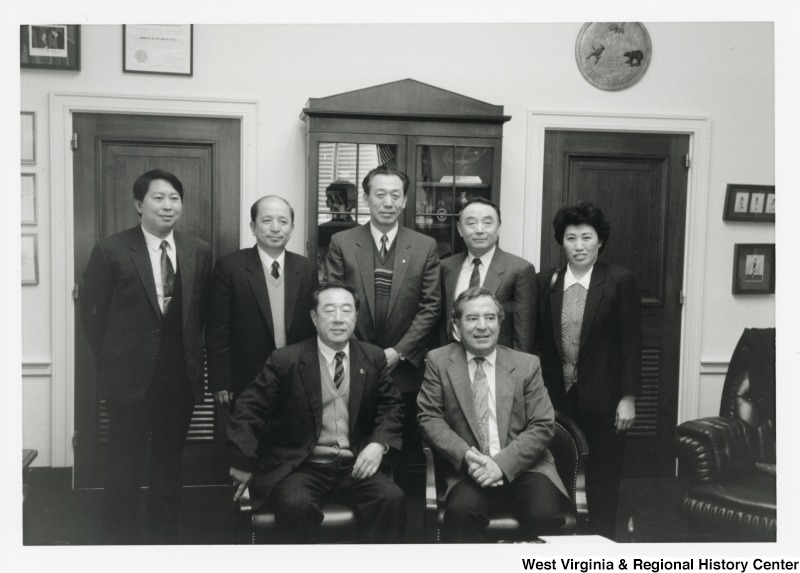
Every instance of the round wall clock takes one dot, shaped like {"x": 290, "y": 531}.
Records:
{"x": 613, "y": 55}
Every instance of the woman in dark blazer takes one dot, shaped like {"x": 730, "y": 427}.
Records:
{"x": 589, "y": 340}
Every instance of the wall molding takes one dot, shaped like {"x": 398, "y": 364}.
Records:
{"x": 62, "y": 106}
{"x": 699, "y": 131}
{"x": 36, "y": 368}
{"x": 714, "y": 366}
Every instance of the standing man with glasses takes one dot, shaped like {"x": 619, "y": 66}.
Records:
{"x": 143, "y": 307}
{"x": 395, "y": 271}
{"x": 260, "y": 301}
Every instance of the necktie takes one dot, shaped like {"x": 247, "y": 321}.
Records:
{"x": 480, "y": 390}
{"x": 167, "y": 275}
{"x": 384, "y": 249}
{"x": 276, "y": 273}
{"x": 475, "y": 277}
{"x": 338, "y": 371}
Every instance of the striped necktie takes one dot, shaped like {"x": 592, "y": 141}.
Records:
{"x": 384, "y": 249}
{"x": 167, "y": 275}
{"x": 338, "y": 371}
{"x": 475, "y": 277}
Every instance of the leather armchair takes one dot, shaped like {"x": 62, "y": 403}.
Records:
{"x": 730, "y": 459}
{"x": 569, "y": 450}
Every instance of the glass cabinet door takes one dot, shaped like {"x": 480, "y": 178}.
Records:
{"x": 447, "y": 176}
{"x": 342, "y": 167}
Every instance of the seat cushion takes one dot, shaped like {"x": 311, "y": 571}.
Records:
{"x": 338, "y": 524}
{"x": 744, "y": 505}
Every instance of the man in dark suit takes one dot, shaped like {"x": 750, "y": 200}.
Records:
{"x": 331, "y": 413}
{"x": 143, "y": 305}
{"x": 485, "y": 410}
{"x": 260, "y": 301}
{"x": 511, "y": 279}
{"x": 396, "y": 272}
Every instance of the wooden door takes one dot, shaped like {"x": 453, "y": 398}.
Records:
{"x": 112, "y": 151}
{"x": 639, "y": 180}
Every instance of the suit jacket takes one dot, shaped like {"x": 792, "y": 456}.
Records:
{"x": 240, "y": 334}
{"x": 525, "y": 416}
{"x": 415, "y": 298}
{"x": 610, "y": 352}
{"x": 512, "y": 280}
{"x": 278, "y": 418}
{"x": 122, "y": 319}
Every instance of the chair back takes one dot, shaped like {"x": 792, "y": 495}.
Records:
{"x": 749, "y": 390}
{"x": 569, "y": 449}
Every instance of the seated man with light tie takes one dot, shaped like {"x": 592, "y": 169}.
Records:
{"x": 315, "y": 425}
{"x": 484, "y": 409}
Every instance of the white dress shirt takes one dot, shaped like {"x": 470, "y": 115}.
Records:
{"x": 154, "y": 250}
{"x": 390, "y": 235}
{"x": 329, "y": 354}
{"x": 267, "y": 261}
{"x": 489, "y": 364}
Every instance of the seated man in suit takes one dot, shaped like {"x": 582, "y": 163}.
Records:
{"x": 511, "y": 279}
{"x": 260, "y": 301}
{"x": 331, "y": 412}
{"x": 485, "y": 410}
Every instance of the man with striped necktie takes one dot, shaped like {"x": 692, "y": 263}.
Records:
{"x": 331, "y": 413}
{"x": 483, "y": 407}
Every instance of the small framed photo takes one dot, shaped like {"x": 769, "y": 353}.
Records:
{"x": 27, "y": 145}
{"x": 50, "y": 46}
{"x": 158, "y": 49}
{"x": 750, "y": 203}
{"x": 28, "y": 198}
{"x": 754, "y": 269}
{"x": 30, "y": 259}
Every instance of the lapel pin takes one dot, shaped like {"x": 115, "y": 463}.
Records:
{"x": 404, "y": 261}
{"x": 361, "y": 371}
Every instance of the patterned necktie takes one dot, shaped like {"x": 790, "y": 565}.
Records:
{"x": 276, "y": 273}
{"x": 480, "y": 390}
{"x": 384, "y": 249}
{"x": 338, "y": 371}
{"x": 167, "y": 275}
{"x": 475, "y": 277}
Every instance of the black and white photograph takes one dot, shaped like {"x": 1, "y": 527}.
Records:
{"x": 355, "y": 289}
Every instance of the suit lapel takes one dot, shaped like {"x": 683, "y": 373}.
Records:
{"x": 494, "y": 274}
{"x": 258, "y": 284}
{"x": 141, "y": 260}
{"x": 291, "y": 286}
{"x": 358, "y": 377}
{"x": 450, "y": 288}
{"x": 366, "y": 266}
{"x": 186, "y": 264}
{"x": 402, "y": 260}
{"x": 312, "y": 381}
{"x": 458, "y": 374}
{"x": 504, "y": 386}
{"x": 593, "y": 300}
{"x": 556, "y": 303}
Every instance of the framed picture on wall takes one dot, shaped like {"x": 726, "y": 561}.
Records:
{"x": 754, "y": 269}
{"x": 50, "y": 46}
{"x": 750, "y": 203}
{"x": 27, "y": 146}
{"x": 158, "y": 49}
{"x": 30, "y": 259}
{"x": 28, "y": 199}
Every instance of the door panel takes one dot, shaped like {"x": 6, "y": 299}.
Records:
{"x": 639, "y": 180}
{"x": 113, "y": 150}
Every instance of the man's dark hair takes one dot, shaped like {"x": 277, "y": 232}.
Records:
{"x": 385, "y": 170}
{"x": 331, "y": 285}
{"x": 142, "y": 184}
{"x": 254, "y": 207}
{"x": 584, "y": 213}
{"x": 481, "y": 201}
{"x": 471, "y": 294}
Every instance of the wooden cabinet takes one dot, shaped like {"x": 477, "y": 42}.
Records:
{"x": 449, "y": 145}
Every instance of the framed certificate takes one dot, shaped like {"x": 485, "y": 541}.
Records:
{"x": 754, "y": 203}
{"x": 158, "y": 49}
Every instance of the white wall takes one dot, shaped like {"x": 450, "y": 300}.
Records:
{"x": 724, "y": 72}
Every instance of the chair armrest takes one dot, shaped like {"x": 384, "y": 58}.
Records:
{"x": 245, "y": 533}
{"x": 713, "y": 448}
{"x": 431, "y": 514}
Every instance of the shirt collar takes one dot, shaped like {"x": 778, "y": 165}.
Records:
{"x": 267, "y": 261}
{"x": 154, "y": 243}
{"x": 486, "y": 258}
{"x": 585, "y": 280}
{"x": 490, "y": 358}
{"x": 390, "y": 234}
{"x": 328, "y": 353}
